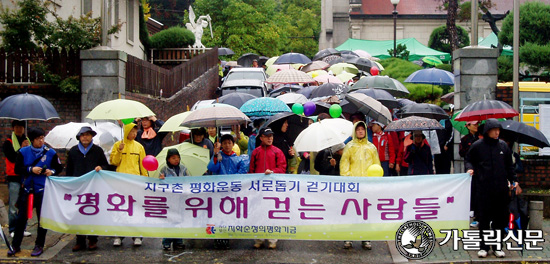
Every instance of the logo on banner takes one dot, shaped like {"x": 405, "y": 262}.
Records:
{"x": 415, "y": 239}
{"x": 210, "y": 229}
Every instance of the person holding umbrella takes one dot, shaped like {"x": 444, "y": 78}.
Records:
{"x": 81, "y": 159}
{"x": 198, "y": 138}
{"x": 327, "y": 161}
{"x": 149, "y": 136}
{"x": 463, "y": 148}
{"x": 445, "y": 138}
{"x": 419, "y": 155}
{"x": 34, "y": 163}
{"x": 385, "y": 146}
{"x": 11, "y": 146}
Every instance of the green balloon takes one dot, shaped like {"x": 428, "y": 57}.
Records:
{"x": 298, "y": 109}
{"x": 335, "y": 111}
{"x": 127, "y": 121}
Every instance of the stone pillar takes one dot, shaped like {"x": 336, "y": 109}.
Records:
{"x": 475, "y": 70}
{"x": 536, "y": 214}
{"x": 103, "y": 77}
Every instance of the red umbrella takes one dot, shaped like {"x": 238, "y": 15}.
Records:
{"x": 483, "y": 110}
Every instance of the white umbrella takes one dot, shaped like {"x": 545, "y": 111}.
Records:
{"x": 323, "y": 134}
{"x": 292, "y": 98}
{"x": 64, "y": 136}
{"x": 174, "y": 123}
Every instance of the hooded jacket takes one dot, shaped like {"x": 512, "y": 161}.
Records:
{"x": 491, "y": 160}
{"x": 267, "y": 157}
{"x": 152, "y": 146}
{"x": 230, "y": 164}
{"x": 419, "y": 159}
{"x": 129, "y": 160}
{"x": 385, "y": 146}
{"x": 358, "y": 156}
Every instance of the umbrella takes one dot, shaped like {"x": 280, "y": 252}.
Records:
{"x": 431, "y": 76}
{"x": 349, "y": 52}
{"x": 331, "y": 59}
{"x": 380, "y": 95}
{"x": 216, "y": 116}
{"x": 432, "y": 60}
{"x": 448, "y": 98}
{"x": 326, "y": 52}
{"x": 362, "y": 53}
{"x": 292, "y": 98}
{"x": 340, "y": 67}
{"x": 262, "y": 60}
{"x": 423, "y": 110}
{"x": 119, "y": 109}
{"x": 193, "y": 157}
{"x": 320, "y": 107}
{"x": 381, "y": 82}
{"x": 246, "y": 59}
{"x": 27, "y": 107}
{"x": 486, "y": 109}
{"x": 289, "y": 76}
{"x": 323, "y": 134}
{"x": 264, "y": 106}
{"x": 403, "y": 102}
{"x": 270, "y": 61}
{"x": 345, "y": 76}
{"x": 460, "y": 126}
{"x": 232, "y": 64}
{"x": 225, "y": 51}
{"x": 315, "y": 65}
{"x": 296, "y": 124}
{"x": 277, "y": 67}
{"x": 412, "y": 123}
{"x": 174, "y": 123}
{"x": 329, "y": 89}
{"x": 306, "y": 91}
{"x": 361, "y": 63}
{"x": 290, "y": 58}
{"x": 519, "y": 216}
{"x": 380, "y": 67}
{"x": 522, "y": 133}
{"x": 64, "y": 136}
{"x": 316, "y": 73}
{"x": 327, "y": 79}
{"x": 370, "y": 107}
{"x": 236, "y": 99}
{"x": 287, "y": 88}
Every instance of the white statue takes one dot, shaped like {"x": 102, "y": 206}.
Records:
{"x": 197, "y": 27}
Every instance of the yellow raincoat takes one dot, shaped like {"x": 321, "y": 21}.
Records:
{"x": 358, "y": 155}
{"x": 129, "y": 160}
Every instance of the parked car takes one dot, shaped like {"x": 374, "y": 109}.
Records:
{"x": 250, "y": 86}
{"x": 245, "y": 73}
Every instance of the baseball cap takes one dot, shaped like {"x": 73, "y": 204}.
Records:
{"x": 266, "y": 131}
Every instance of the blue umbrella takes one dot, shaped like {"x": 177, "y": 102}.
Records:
{"x": 431, "y": 76}
{"x": 291, "y": 58}
{"x": 27, "y": 107}
{"x": 264, "y": 106}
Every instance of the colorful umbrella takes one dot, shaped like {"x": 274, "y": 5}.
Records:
{"x": 522, "y": 133}
{"x": 423, "y": 110}
{"x": 277, "y": 67}
{"x": 236, "y": 99}
{"x": 316, "y": 73}
{"x": 431, "y": 76}
{"x": 432, "y": 60}
{"x": 292, "y": 57}
{"x": 216, "y": 116}
{"x": 27, "y": 107}
{"x": 370, "y": 107}
{"x": 412, "y": 123}
{"x": 315, "y": 65}
{"x": 193, "y": 157}
{"x": 341, "y": 67}
{"x": 119, "y": 109}
{"x": 460, "y": 126}
{"x": 289, "y": 76}
{"x": 264, "y": 106}
{"x": 380, "y": 95}
{"x": 486, "y": 109}
{"x": 270, "y": 61}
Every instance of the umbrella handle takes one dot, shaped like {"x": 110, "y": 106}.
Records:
{"x": 30, "y": 205}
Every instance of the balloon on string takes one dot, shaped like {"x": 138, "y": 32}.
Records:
{"x": 309, "y": 108}
{"x": 335, "y": 110}
{"x": 298, "y": 109}
{"x": 127, "y": 121}
{"x": 150, "y": 163}
{"x": 375, "y": 170}
{"x": 374, "y": 71}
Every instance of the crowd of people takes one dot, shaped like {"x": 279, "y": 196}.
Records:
{"x": 263, "y": 148}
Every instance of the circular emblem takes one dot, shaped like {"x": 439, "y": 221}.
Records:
{"x": 415, "y": 240}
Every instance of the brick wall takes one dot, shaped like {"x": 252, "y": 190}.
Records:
{"x": 66, "y": 105}
{"x": 504, "y": 94}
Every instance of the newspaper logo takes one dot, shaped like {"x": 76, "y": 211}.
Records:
{"x": 415, "y": 240}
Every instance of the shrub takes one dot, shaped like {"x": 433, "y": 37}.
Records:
{"x": 439, "y": 39}
{"x": 174, "y": 37}
{"x": 505, "y": 68}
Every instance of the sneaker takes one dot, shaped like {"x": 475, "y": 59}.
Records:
{"x": 272, "y": 245}
{"x": 166, "y": 247}
{"x": 78, "y": 247}
{"x": 258, "y": 245}
{"x": 482, "y": 254}
{"x": 26, "y": 234}
{"x": 137, "y": 242}
{"x": 12, "y": 234}
{"x": 37, "y": 251}
{"x": 367, "y": 245}
{"x": 348, "y": 245}
{"x": 12, "y": 253}
{"x": 500, "y": 254}
{"x": 474, "y": 224}
{"x": 117, "y": 242}
{"x": 92, "y": 245}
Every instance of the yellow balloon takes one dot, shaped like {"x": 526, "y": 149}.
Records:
{"x": 375, "y": 170}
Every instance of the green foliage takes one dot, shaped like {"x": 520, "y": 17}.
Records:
{"x": 70, "y": 85}
{"x": 143, "y": 32}
{"x": 505, "y": 68}
{"x": 534, "y": 37}
{"x": 401, "y": 53}
{"x": 20, "y": 25}
{"x": 439, "y": 39}
{"x": 447, "y": 67}
{"x": 400, "y": 69}
{"x": 174, "y": 37}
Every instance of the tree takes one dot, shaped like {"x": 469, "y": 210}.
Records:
{"x": 534, "y": 35}
{"x": 401, "y": 52}
{"x": 440, "y": 40}
{"x": 169, "y": 12}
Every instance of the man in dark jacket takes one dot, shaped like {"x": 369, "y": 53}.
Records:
{"x": 445, "y": 137}
{"x": 82, "y": 159}
{"x": 419, "y": 155}
{"x": 149, "y": 135}
{"x": 327, "y": 162}
{"x": 489, "y": 161}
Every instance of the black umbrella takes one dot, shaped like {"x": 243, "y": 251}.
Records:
{"x": 27, "y": 107}
{"x": 361, "y": 63}
{"x": 262, "y": 60}
{"x": 423, "y": 110}
{"x": 306, "y": 91}
{"x": 522, "y": 133}
{"x": 330, "y": 58}
{"x": 236, "y": 99}
{"x": 404, "y": 102}
{"x": 329, "y": 89}
{"x": 321, "y": 107}
{"x": 287, "y": 88}
{"x": 346, "y": 52}
{"x": 326, "y": 52}
{"x": 246, "y": 59}
{"x": 225, "y": 51}
{"x": 380, "y": 95}
{"x": 291, "y": 58}
{"x": 296, "y": 123}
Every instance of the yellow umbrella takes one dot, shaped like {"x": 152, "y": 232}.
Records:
{"x": 380, "y": 67}
{"x": 271, "y": 61}
{"x": 174, "y": 123}
{"x": 342, "y": 66}
{"x": 345, "y": 76}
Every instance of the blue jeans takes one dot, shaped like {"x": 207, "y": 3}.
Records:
{"x": 12, "y": 209}
{"x": 386, "y": 166}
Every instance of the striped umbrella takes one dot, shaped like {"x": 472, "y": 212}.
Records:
{"x": 315, "y": 65}
{"x": 215, "y": 116}
{"x": 264, "y": 106}
{"x": 412, "y": 123}
{"x": 483, "y": 110}
{"x": 290, "y": 76}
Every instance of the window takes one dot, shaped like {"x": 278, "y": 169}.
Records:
{"x": 86, "y": 6}
{"x": 116, "y": 4}
{"x": 130, "y": 19}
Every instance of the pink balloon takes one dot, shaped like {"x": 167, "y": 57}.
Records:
{"x": 374, "y": 71}
{"x": 150, "y": 163}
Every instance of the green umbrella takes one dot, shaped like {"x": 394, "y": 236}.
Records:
{"x": 119, "y": 109}
{"x": 174, "y": 123}
{"x": 432, "y": 60}
{"x": 193, "y": 157}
